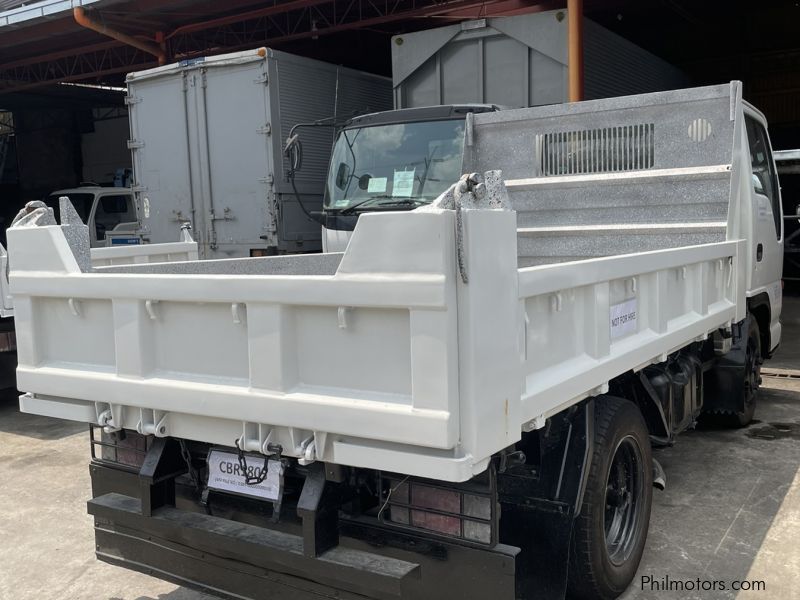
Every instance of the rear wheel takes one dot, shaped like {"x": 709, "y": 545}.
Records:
{"x": 611, "y": 531}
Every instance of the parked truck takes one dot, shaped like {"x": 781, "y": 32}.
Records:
{"x": 440, "y": 75}
{"x": 464, "y": 403}
{"x": 207, "y": 145}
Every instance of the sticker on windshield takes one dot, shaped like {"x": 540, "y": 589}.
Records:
{"x": 403, "y": 185}
{"x": 377, "y": 185}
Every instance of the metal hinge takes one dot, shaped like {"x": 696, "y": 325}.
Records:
{"x": 227, "y": 215}
{"x": 264, "y": 78}
{"x": 135, "y": 144}
{"x": 132, "y": 100}
{"x": 266, "y": 129}
{"x": 269, "y": 179}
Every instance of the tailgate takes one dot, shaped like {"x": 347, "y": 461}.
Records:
{"x": 347, "y": 358}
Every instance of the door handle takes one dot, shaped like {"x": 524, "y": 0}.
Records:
{"x": 759, "y": 252}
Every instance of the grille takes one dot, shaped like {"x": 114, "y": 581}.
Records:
{"x": 602, "y": 150}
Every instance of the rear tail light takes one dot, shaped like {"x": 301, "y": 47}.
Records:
{"x": 124, "y": 448}
{"x": 466, "y": 512}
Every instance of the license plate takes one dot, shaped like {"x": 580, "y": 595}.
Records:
{"x": 225, "y": 475}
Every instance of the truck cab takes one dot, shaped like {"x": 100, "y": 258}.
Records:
{"x": 392, "y": 160}
{"x": 110, "y": 213}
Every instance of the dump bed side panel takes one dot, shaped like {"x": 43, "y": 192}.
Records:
{"x": 613, "y": 176}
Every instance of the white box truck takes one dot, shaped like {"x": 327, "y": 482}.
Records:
{"x": 207, "y": 145}
{"x": 462, "y": 404}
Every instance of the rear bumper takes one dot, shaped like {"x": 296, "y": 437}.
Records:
{"x": 240, "y": 560}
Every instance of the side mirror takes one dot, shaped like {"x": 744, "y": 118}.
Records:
{"x": 342, "y": 175}
{"x": 363, "y": 182}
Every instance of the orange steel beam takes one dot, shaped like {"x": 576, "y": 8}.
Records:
{"x": 575, "y": 45}
{"x": 81, "y": 18}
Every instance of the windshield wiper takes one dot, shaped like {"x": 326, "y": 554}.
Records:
{"x": 349, "y": 210}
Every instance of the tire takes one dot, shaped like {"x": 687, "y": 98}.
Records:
{"x": 610, "y": 533}
{"x": 751, "y": 375}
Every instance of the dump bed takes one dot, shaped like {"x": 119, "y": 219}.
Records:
{"x": 186, "y": 249}
{"x": 424, "y": 348}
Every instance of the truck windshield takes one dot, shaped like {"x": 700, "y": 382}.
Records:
{"x": 389, "y": 165}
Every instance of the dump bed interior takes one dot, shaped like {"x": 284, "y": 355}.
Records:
{"x": 613, "y": 176}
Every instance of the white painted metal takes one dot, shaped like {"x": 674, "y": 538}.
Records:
{"x": 426, "y": 375}
{"x": 186, "y": 249}
{"x": 381, "y": 358}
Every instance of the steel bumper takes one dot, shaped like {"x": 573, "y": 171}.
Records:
{"x": 239, "y": 560}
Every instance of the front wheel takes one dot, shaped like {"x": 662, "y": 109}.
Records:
{"x": 611, "y": 530}
{"x": 752, "y": 374}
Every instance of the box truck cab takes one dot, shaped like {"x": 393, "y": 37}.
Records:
{"x": 110, "y": 213}
{"x": 392, "y": 160}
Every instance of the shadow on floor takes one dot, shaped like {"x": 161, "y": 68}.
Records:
{"x": 724, "y": 489}
{"x": 41, "y": 428}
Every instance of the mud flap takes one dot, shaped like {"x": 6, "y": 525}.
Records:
{"x": 724, "y": 384}
{"x": 540, "y": 504}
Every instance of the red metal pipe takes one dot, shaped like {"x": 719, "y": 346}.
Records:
{"x": 83, "y": 20}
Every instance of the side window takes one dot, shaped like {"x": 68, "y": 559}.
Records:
{"x": 765, "y": 180}
{"x": 111, "y": 211}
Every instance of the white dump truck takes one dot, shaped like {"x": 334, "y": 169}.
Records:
{"x": 462, "y": 404}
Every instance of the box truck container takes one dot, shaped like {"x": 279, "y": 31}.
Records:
{"x": 463, "y": 404}
{"x": 207, "y": 144}
{"x": 519, "y": 61}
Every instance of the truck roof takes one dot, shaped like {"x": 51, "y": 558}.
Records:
{"x": 422, "y": 113}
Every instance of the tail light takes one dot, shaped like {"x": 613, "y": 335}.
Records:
{"x": 124, "y": 448}
{"x": 465, "y": 512}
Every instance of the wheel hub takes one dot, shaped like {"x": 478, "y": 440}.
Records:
{"x": 624, "y": 500}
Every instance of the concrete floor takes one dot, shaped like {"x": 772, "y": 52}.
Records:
{"x": 731, "y": 510}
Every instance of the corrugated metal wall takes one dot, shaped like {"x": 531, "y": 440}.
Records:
{"x": 613, "y": 66}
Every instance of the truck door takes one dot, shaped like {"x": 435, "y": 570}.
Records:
{"x": 234, "y": 133}
{"x": 160, "y": 110}
{"x": 767, "y": 220}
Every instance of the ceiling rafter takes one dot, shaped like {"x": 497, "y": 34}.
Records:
{"x": 275, "y": 23}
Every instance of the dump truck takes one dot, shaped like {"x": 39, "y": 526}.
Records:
{"x": 467, "y": 402}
